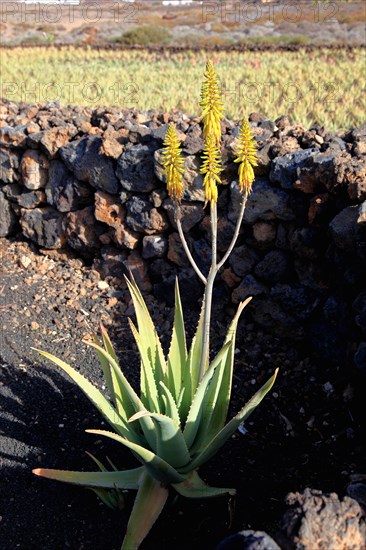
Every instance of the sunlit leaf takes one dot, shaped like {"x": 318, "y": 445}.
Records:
{"x": 216, "y": 443}
{"x": 171, "y": 445}
{"x": 125, "y": 479}
{"x": 157, "y": 467}
{"x": 150, "y": 500}
{"x": 177, "y": 356}
{"x": 194, "y": 487}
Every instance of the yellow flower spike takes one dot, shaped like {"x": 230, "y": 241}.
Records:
{"x": 173, "y": 163}
{"x": 211, "y": 167}
{"x": 247, "y": 156}
{"x": 211, "y": 103}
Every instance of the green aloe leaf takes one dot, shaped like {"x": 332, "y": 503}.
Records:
{"x": 198, "y": 403}
{"x": 120, "y": 399}
{"x": 171, "y": 408}
{"x": 149, "y": 392}
{"x": 147, "y": 331}
{"x": 106, "y": 372}
{"x": 117, "y": 390}
{"x": 150, "y": 500}
{"x": 100, "y": 464}
{"x": 125, "y": 479}
{"x": 194, "y": 487}
{"x": 130, "y": 400}
{"x": 177, "y": 356}
{"x": 216, "y": 443}
{"x": 114, "y": 499}
{"x": 171, "y": 445}
{"x": 156, "y": 466}
{"x": 217, "y": 398}
{"x": 119, "y": 423}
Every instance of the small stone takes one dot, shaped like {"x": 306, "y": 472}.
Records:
{"x": 274, "y": 267}
{"x": 25, "y": 261}
{"x": 135, "y": 168}
{"x": 34, "y": 325}
{"x": 109, "y": 210}
{"x": 9, "y": 164}
{"x": 343, "y": 228}
{"x": 362, "y": 213}
{"x": 248, "y": 540}
{"x": 328, "y": 388}
{"x": 34, "y": 169}
{"x": 81, "y": 230}
{"x": 192, "y": 214}
{"x": 13, "y": 136}
{"x": 64, "y": 191}
{"x": 285, "y": 169}
{"x": 264, "y": 233}
{"x": 318, "y": 520}
{"x": 354, "y": 175}
{"x": 143, "y": 217}
{"x": 248, "y": 287}
{"x": 176, "y": 252}
{"x": 157, "y": 197}
{"x": 242, "y": 260}
{"x": 319, "y": 209}
{"x": 296, "y": 299}
{"x": 84, "y": 159}
{"x": 229, "y": 278}
{"x": 154, "y": 246}
{"x": 103, "y": 285}
{"x": 305, "y": 242}
{"x": 159, "y": 133}
{"x": 265, "y": 203}
{"x": 32, "y": 199}
{"x": 193, "y": 143}
{"x": 137, "y": 265}
{"x": 54, "y": 139}
{"x": 112, "y": 302}
{"x": 268, "y": 125}
{"x": 7, "y": 217}
{"x": 357, "y": 491}
{"x": 282, "y": 122}
{"x": 43, "y": 226}
{"x": 112, "y": 145}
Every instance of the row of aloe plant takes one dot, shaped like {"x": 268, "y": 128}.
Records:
{"x": 178, "y": 422}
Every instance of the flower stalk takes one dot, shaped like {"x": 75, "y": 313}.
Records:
{"x": 178, "y": 419}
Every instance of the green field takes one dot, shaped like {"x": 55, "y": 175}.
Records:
{"x": 323, "y": 86}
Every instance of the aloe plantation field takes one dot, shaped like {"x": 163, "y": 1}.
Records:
{"x": 321, "y": 86}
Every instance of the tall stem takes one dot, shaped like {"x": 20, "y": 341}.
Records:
{"x": 236, "y": 233}
{"x": 185, "y": 246}
{"x": 208, "y": 294}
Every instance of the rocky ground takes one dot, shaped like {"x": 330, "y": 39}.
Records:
{"x": 308, "y": 433}
{"x": 206, "y": 25}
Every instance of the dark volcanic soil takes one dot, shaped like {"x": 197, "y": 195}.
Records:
{"x": 308, "y": 432}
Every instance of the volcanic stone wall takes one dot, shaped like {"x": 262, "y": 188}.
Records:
{"x": 91, "y": 180}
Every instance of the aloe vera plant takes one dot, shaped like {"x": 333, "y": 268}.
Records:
{"x": 178, "y": 420}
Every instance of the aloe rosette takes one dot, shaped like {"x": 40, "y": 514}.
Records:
{"x": 174, "y": 426}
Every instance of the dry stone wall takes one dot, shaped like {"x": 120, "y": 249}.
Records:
{"x": 91, "y": 180}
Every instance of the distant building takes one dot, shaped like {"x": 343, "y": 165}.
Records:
{"x": 176, "y": 2}
{"x": 63, "y": 2}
